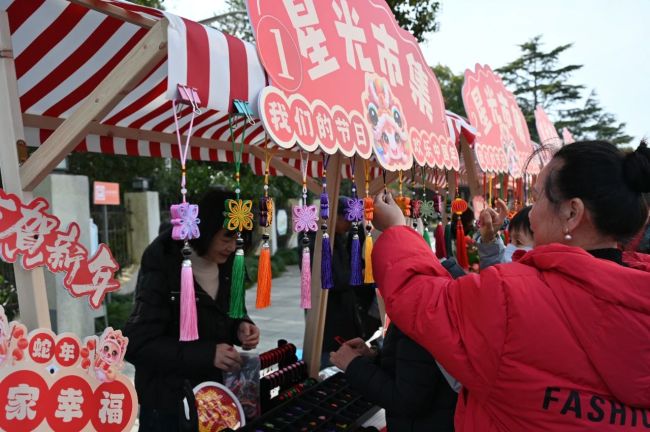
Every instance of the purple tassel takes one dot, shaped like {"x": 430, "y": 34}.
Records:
{"x": 356, "y": 276}
{"x": 327, "y": 281}
{"x": 305, "y": 280}
{"x": 188, "y": 329}
{"x": 324, "y": 206}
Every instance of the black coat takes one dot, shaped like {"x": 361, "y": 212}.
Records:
{"x": 162, "y": 362}
{"x": 405, "y": 380}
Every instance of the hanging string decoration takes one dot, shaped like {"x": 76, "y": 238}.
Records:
{"x": 184, "y": 217}
{"x": 305, "y": 219}
{"x": 459, "y": 206}
{"x": 403, "y": 202}
{"x": 327, "y": 281}
{"x": 426, "y": 210}
{"x": 238, "y": 217}
{"x": 368, "y": 213}
{"x": 264, "y": 273}
{"x": 416, "y": 204}
{"x": 354, "y": 212}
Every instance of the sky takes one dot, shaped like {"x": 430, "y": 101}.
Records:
{"x": 610, "y": 39}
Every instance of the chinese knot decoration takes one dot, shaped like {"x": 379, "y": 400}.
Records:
{"x": 27, "y": 230}
{"x": 58, "y": 383}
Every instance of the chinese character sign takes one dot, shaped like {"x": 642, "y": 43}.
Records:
{"x": 346, "y": 78}
{"x": 57, "y": 383}
{"x": 503, "y": 141}
{"x": 548, "y": 135}
{"x": 27, "y": 230}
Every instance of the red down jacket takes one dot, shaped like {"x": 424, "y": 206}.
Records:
{"x": 559, "y": 341}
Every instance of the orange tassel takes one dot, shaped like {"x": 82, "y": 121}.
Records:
{"x": 404, "y": 203}
{"x": 461, "y": 245}
{"x": 264, "y": 277}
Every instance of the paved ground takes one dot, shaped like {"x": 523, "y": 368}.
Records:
{"x": 282, "y": 320}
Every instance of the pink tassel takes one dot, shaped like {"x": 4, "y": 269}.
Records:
{"x": 189, "y": 329}
{"x": 305, "y": 280}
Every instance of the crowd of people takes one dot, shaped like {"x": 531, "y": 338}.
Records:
{"x": 553, "y": 333}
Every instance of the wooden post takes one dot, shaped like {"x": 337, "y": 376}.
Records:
{"x": 151, "y": 49}
{"x": 470, "y": 166}
{"x": 315, "y": 326}
{"x": 30, "y": 285}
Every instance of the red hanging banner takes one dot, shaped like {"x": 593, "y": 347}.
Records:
{"x": 27, "y": 230}
{"x": 346, "y": 78}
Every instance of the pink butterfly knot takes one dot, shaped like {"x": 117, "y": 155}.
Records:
{"x": 185, "y": 221}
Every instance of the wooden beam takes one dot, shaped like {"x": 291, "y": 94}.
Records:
{"x": 470, "y": 168}
{"x": 286, "y": 169}
{"x": 315, "y": 326}
{"x": 96, "y": 128}
{"x": 151, "y": 49}
{"x": 116, "y": 12}
{"x": 30, "y": 285}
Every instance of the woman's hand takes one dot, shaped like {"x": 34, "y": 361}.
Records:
{"x": 491, "y": 221}
{"x": 248, "y": 334}
{"x": 360, "y": 347}
{"x": 227, "y": 358}
{"x": 342, "y": 358}
{"x": 387, "y": 212}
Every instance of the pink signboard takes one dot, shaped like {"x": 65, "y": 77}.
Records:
{"x": 503, "y": 141}
{"x": 346, "y": 78}
{"x": 29, "y": 233}
{"x": 567, "y": 137}
{"x": 58, "y": 383}
{"x": 546, "y": 129}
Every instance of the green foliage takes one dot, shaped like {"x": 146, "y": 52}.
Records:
{"x": 278, "y": 266}
{"x": 591, "y": 122}
{"x": 119, "y": 310}
{"x": 416, "y": 16}
{"x": 8, "y": 297}
{"x": 235, "y": 21}
{"x": 289, "y": 256}
{"x": 539, "y": 78}
{"x": 452, "y": 88}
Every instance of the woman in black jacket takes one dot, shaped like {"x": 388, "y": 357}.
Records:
{"x": 403, "y": 378}
{"x": 164, "y": 365}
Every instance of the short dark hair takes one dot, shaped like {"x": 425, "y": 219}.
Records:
{"x": 211, "y": 213}
{"x": 609, "y": 182}
{"x": 520, "y": 221}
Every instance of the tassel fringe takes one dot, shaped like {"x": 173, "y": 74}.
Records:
{"x": 237, "y": 294}
{"x": 264, "y": 276}
{"x": 368, "y": 276}
{"x": 327, "y": 281}
{"x": 188, "y": 325}
{"x": 461, "y": 246}
{"x": 305, "y": 280}
{"x": 441, "y": 247}
{"x": 355, "y": 267}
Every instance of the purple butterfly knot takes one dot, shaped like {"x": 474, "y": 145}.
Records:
{"x": 305, "y": 218}
{"x": 185, "y": 221}
{"x": 354, "y": 210}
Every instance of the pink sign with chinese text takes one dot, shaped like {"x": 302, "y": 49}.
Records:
{"x": 346, "y": 78}
{"x": 57, "y": 383}
{"x": 567, "y": 137}
{"x": 546, "y": 129}
{"x": 503, "y": 141}
{"x": 27, "y": 230}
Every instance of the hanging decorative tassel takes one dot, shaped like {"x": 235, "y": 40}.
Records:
{"x": 238, "y": 217}
{"x": 369, "y": 212}
{"x": 305, "y": 276}
{"x": 506, "y": 236}
{"x": 264, "y": 270}
{"x": 237, "y": 293}
{"x": 185, "y": 222}
{"x": 326, "y": 279}
{"x": 305, "y": 219}
{"x": 264, "y": 275}
{"x": 459, "y": 206}
{"x": 189, "y": 328}
{"x": 448, "y": 239}
{"x": 439, "y": 234}
{"x": 427, "y": 237}
{"x": 354, "y": 213}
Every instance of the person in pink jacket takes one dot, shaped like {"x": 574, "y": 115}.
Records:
{"x": 558, "y": 341}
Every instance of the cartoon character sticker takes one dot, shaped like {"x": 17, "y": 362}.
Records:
{"x": 109, "y": 360}
{"x": 385, "y": 116}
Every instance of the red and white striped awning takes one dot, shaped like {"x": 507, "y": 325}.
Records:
{"x": 63, "y": 49}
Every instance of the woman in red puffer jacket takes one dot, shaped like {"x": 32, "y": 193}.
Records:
{"x": 558, "y": 341}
